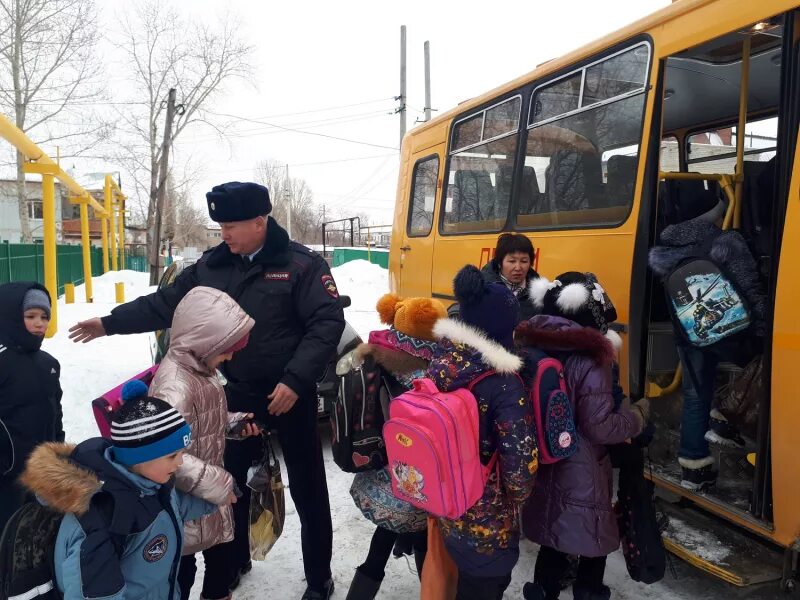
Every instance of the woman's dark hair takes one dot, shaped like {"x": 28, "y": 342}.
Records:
{"x": 512, "y": 242}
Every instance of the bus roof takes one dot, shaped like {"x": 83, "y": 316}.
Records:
{"x": 677, "y": 9}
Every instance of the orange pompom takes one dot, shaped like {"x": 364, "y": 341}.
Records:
{"x": 417, "y": 316}
{"x": 386, "y": 307}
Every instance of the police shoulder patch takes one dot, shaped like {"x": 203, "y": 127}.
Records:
{"x": 330, "y": 286}
{"x": 155, "y": 549}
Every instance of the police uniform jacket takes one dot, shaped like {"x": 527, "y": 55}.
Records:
{"x": 289, "y": 292}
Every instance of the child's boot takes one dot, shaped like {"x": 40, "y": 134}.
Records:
{"x": 363, "y": 587}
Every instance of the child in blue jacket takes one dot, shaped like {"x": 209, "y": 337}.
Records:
{"x": 122, "y": 532}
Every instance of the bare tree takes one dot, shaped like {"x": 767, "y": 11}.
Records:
{"x": 184, "y": 222}
{"x": 291, "y": 192}
{"x": 50, "y": 80}
{"x": 164, "y": 50}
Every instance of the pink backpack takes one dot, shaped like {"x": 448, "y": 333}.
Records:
{"x": 432, "y": 448}
{"x": 104, "y": 406}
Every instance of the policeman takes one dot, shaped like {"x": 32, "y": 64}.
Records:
{"x": 289, "y": 291}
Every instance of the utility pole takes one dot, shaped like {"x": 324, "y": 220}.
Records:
{"x": 162, "y": 188}
{"x": 288, "y": 198}
{"x": 402, "y": 109}
{"x": 427, "y": 81}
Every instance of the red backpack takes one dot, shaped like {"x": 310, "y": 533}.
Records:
{"x": 104, "y": 406}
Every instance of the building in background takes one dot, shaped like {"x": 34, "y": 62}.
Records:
{"x": 10, "y": 230}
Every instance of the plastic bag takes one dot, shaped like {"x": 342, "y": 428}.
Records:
{"x": 267, "y": 508}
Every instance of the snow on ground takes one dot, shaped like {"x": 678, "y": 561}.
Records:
{"x": 364, "y": 282}
{"x": 90, "y": 369}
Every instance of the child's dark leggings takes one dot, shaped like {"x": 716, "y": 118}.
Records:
{"x": 552, "y": 564}
{"x": 380, "y": 549}
{"x": 216, "y": 577}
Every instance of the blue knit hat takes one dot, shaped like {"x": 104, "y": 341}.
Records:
{"x": 490, "y": 307}
{"x": 145, "y": 428}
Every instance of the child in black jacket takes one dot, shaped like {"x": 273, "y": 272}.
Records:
{"x": 30, "y": 393}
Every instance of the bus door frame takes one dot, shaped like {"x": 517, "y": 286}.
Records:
{"x": 416, "y": 251}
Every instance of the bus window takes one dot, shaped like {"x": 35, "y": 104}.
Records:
{"x": 423, "y": 195}
{"x": 559, "y": 98}
{"x": 670, "y": 161}
{"x": 584, "y": 162}
{"x": 715, "y": 151}
{"x": 478, "y": 190}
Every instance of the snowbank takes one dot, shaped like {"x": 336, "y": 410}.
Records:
{"x": 364, "y": 282}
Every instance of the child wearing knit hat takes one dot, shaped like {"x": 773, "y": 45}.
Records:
{"x": 122, "y": 531}
{"x": 30, "y": 392}
{"x": 570, "y": 512}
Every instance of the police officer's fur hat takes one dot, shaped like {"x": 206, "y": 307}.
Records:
{"x": 235, "y": 201}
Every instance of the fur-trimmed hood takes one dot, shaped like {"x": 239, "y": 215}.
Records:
{"x": 59, "y": 481}
{"x": 492, "y": 354}
{"x": 556, "y": 334}
{"x": 67, "y": 477}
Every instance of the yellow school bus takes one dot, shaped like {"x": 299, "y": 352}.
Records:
{"x": 585, "y": 155}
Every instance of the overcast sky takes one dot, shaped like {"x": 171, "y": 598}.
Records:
{"x": 312, "y": 57}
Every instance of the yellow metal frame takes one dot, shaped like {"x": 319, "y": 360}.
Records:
{"x": 704, "y": 565}
{"x": 38, "y": 162}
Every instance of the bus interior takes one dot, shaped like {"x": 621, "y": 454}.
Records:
{"x": 703, "y": 111}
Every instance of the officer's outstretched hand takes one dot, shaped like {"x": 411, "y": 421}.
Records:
{"x": 86, "y": 331}
{"x": 281, "y": 399}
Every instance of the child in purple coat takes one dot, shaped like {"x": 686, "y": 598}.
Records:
{"x": 570, "y": 511}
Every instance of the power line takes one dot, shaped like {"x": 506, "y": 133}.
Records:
{"x": 257, "y": 131}
{"x": 324, "y": 135}
{"x": 308, "y": 164}
{"x": 314, "y": 110}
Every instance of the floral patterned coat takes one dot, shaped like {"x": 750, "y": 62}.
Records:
{"x": 485, "y": 540}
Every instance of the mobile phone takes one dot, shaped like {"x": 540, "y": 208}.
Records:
{"x": 238, "y": 428}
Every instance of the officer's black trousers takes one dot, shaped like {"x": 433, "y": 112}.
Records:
{"x": 302, "y": 458}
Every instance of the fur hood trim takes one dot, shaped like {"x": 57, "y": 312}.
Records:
{"x": 396, "y": 362}
{"x": 492, "y": 353}
{"x": 553, "y": 334}
{"x": 696, "y": 463}
{"x": 58, "y": 481}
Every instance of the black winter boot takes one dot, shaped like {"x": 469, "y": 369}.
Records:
{"x": 533, "y": 591}
{"x": 583, "y": 593}
{"x": 363, "y": 587}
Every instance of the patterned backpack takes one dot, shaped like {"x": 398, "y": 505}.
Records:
{"x": 432, "y": 447}
{"x": 552, "y": 410}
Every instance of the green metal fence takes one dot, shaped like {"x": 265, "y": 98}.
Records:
{"x": 25, "y": 262}
{"x": 376, "y": 256}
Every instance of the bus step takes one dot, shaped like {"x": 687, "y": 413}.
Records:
{"x": 718, "y": 548}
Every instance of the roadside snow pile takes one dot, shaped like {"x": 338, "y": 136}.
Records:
{"x": 364, "y": 282}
